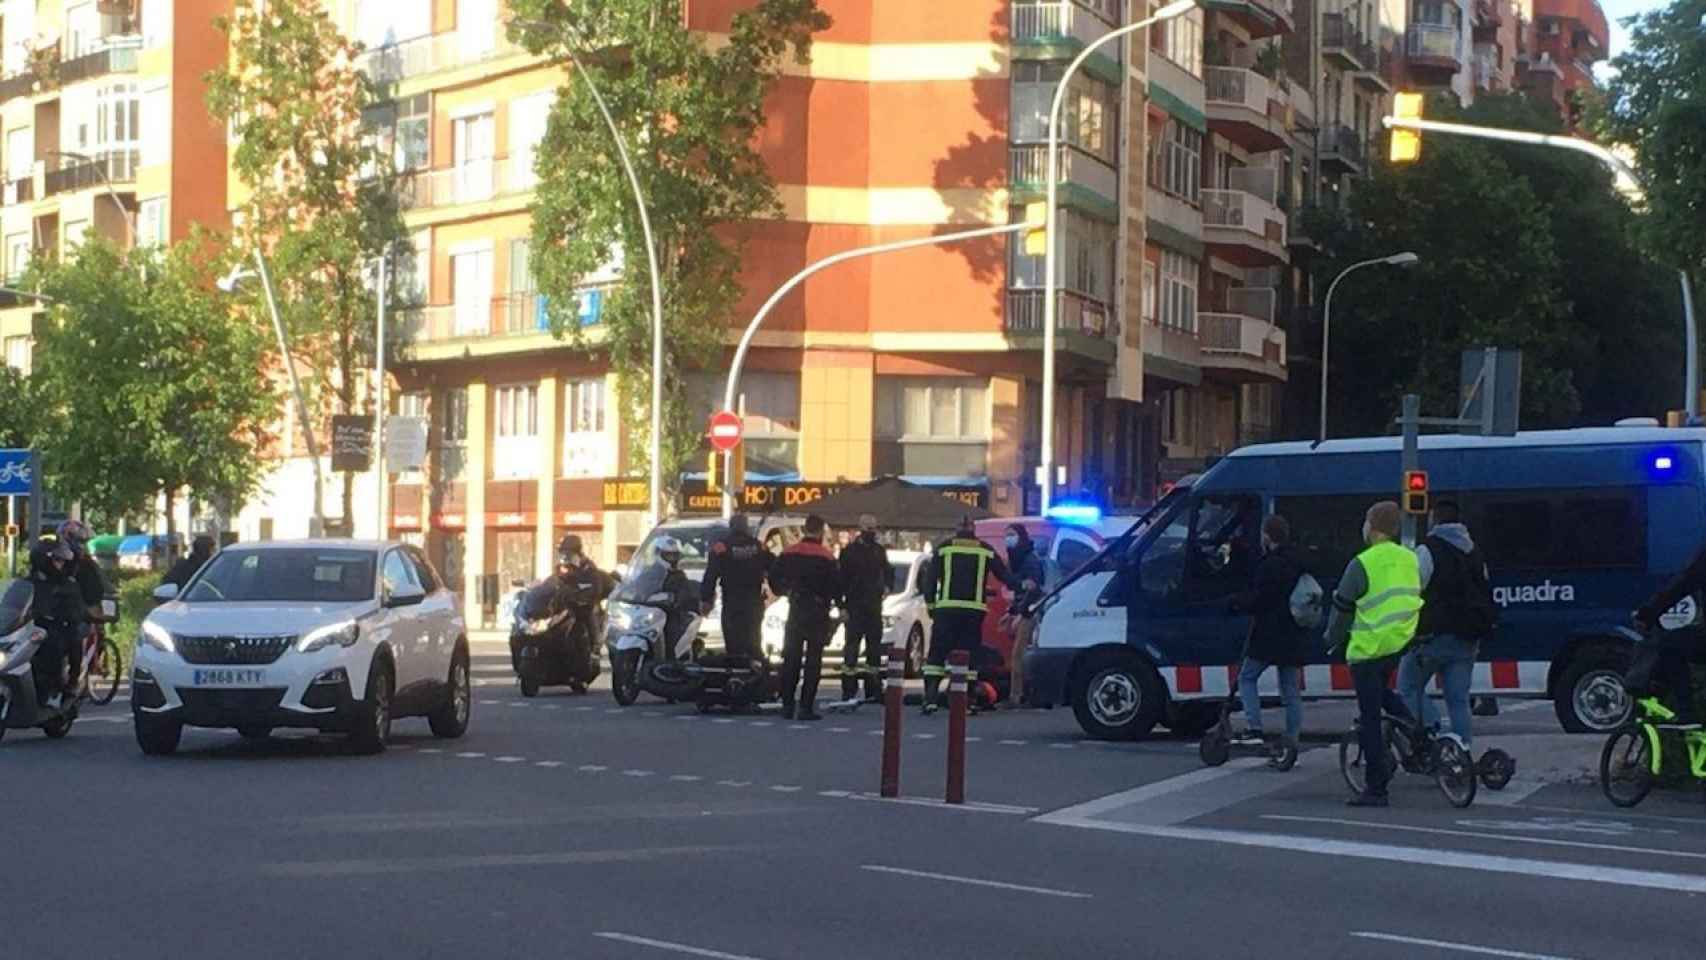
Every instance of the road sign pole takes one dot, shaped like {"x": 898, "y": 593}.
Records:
{"x": 34, "y": 519}
{"x": 1411, "y": 421}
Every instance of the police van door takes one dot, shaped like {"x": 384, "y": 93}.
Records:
{"x": 1186, "y": 583}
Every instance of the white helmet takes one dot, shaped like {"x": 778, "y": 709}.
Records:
{"x": 668, "y": 549}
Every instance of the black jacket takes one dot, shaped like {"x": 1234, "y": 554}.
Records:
{"x": 808, "y": 576}
{"x": 186, "y": 568}
{"x": 865, "y": 573}
{"x": 1027, "y": 564}
{"x": 739, "y": 563}
{"x": 930, "y": 577}
{"x": 587, "y": 574}
{"x": 1274, "y": 636}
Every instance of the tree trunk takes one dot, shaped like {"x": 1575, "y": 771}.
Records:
{"x": 171, "y": 515}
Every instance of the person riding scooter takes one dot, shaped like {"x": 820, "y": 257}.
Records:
{"x": 61, "y": 611}
{"x": 684, "y": 599}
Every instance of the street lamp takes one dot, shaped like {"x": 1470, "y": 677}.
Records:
{"x": 656, "y": 449}
{"x": 1405, "y": 259}
{"x": 228, "y": 284}
{"x": 1171, "y": 10}
{"x": 106, "y": 181}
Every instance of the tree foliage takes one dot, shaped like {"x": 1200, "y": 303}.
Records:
{"x": 690, "y": 112}
{"x": 1520, "y": 247}
{"x": 143, "y": 382}
{"x": 322, "y": 197}
{"x": 18, "y": 411}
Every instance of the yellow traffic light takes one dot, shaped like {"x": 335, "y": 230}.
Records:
{"x": 715, "y": 477}
{"x": 1406, "y": 144}
{"x": 1036, "y": 238}
{"x": 714, "y": 472}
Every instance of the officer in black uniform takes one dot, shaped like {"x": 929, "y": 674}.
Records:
{"x": 807, "y": 575}
{"x": 739, "y": 563}
{"x": 954, "y": 584}
{"x": 865, "y": 575}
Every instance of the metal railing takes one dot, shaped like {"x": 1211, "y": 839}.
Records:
{"x": 1061, "y": 20}
{"x": 1256, "y": 302}
{"x": 1262, "y": 182}
{"x": 119, "y": 57}
{"x": 474, "y": 181}
{"x": 1338, "y": 33}
{"x": 118, "y": 165}
{"x": 1237, "y": 210}
{"x": 1075, "y": 313}
{"x": 419, "y": 56}
{"x": 21, "y": 190}
{"x": 1028, "y": 166}
{"x": 514, "y": 315}
{"x": 1237, "y": 87}
{"x": 1433, "y": 40}
{"x": 1345, "y": 142}
{"x": 1242, "y": 336}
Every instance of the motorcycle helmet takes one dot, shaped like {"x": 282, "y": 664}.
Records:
{"x": 76, "y": 535}
{"x": 669, "y": 550}
{"x": 569, "y": 550}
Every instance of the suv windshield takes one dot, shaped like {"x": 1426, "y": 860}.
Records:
{"x": 285, "y": 575}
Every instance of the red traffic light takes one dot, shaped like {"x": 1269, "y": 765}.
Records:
{"x": 1416, "y": 481}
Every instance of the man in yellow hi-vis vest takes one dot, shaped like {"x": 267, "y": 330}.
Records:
{"x": 1376, "y": 607}
{"x": 953, "y": 583}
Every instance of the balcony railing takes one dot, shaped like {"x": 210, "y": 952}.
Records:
{"x": 474, "y": 181}
{"x": 420, "y": 56}
{"x": 1434, "y": 41}
{"x": 1256, "y": 302}
{"x": 21, "y": 190}
{"x": 1236, "y": 87}
{"x": 1260, "y": 181}
{"x": 515, "y": 315}
{"x": 1237, "y": 210}
{"x": 1340, "y": 37}
{"x": 119, "y": 57}
{"x": 1028, "y": 166}
{"x": 18, "y": 85}
{"x": 1061, "y": 21}
{"x": 1241, "y": 336}
{"x": 118, "y": 165}
{"x": 1346, "y": 143}
{"x": 1074, "y": 313}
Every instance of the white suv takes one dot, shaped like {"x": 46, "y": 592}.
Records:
{"x": 331, "y": 635}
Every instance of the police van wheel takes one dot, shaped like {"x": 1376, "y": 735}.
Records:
{"x": 1119, "y": 698}
{"x": 1590, "y": 697}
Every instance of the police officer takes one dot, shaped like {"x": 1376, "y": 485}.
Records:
{"x": 739, "y": 563}
{"x": 807, "y": 575}
{"x": 954, "y": 584}
{"x": 865, "y": 575}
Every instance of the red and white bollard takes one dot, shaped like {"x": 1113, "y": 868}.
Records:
{"x": 959, "y": 664}
{"x": 894, "y": 689}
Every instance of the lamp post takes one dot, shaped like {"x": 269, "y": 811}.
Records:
{"x": 1177, "y": 8}
{"x": 1405, "y": 259}
{"x": 228, "y": 283}
{"x": 106, "y": 181}
{"x": 655, "y": 453}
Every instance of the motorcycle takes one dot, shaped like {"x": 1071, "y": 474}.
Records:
{"x": 640, "y": 656}
{"x": 21, "y": 704}
{"x": 551, "y": 642}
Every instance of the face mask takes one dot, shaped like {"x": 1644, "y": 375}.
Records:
{"x": 1011, "y": 540}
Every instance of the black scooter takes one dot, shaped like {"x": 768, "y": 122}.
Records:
{"x": 1217, "y": 747}
{"x": 21, "y": 706}
{"x": 551, "y": 643}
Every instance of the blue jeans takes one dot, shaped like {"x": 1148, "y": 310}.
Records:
{"x": 1289, "y": 695}
{"x": 1452, "y": 658}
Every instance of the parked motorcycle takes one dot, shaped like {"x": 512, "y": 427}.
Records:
{"x": 21, "y": 703}
{"x": 552, "y": 641}
{"x": 641, "y": 657}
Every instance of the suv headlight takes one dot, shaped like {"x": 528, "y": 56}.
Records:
{"x": 158, "y": 637}
{"x": 343, "y": 634}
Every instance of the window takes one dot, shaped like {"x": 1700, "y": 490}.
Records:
{"x": 1326, "y": 531}
{"x": 287, "y": 575}
{"x": 151, "y": 222}
{"x": 517, "y": 411}
{"x": 382, "y": 23}
{"x": 424, "y": 573}
{"x": 117, "y": 119}
{"x": 1089, "y": 118}
{"x": 413, "y": 147}
{"x": 1088, "y": 249}
{"x": 476, "y": 28}
{"x": 20, "y": 153}
{"x": 1542, "y": 530}
{"x": 1182, "y": 43}
{"x": 18, "y": 351}
{"x": 585, "y": 406}
{"x": 472, "y": 150}
{"x": 528, "y": 117}
{"x": 399, "y": 574}
{"x": 453, "y": 417}
{"x": 1151, "y": 277}
{"x": 1177, "y": 422}
{"x": 414, "y": 269}
{"x": 471, "y": 290}
{"x": 1606, "y": 529}
{"x": 1073, "y": 554}
{"x": 932, "y": 426}
{"x": 587, "y": 452}
{"x": 1179, "y": 291}
{"x": 18, "y": 253}
{"x": 156, "y": 115}
{"x": 1176, "y": 167}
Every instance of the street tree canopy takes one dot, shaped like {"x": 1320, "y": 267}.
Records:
{"x": 690, "y": 113}
{"x": 144, "y": 382}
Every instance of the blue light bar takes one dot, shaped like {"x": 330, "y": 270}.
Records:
{"x": 1663, "y": 462}
{"x": 1075, "y": 513}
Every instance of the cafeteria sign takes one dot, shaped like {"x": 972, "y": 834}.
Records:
{"x": 787, "y": 497}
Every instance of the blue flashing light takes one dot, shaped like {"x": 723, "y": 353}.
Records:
{"x": 1664, "y": 463}
{"x": 1081, "y": 514}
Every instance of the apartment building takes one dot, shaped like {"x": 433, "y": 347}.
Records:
{"x": 104, "y": 132}
{"x": 1562, "y": 42}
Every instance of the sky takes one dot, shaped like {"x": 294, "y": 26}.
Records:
{"x": 1616, "y": 10}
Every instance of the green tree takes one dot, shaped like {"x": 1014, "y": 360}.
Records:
{"x": 144, "y": 382}
{"x": 323, "y": 199}
{"x": 17, "y": 409}
{"x": 690, "y": 112}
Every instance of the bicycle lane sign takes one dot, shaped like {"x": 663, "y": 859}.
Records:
{"x": 17, "y": 473}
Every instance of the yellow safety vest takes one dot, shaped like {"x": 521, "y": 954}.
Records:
{"x": 967, "y": 596}
{"x": 1387, "y": 614}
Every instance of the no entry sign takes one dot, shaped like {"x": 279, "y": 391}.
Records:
{"x": 725, "y": 430}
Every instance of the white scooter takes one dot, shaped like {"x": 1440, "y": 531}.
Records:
{"x": 639, "y": 657}
{"x": 20, "y": 639}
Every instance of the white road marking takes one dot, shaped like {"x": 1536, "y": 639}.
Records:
{"x": 586, "y": 709}
{"x": 612, "y": 709}
{"x": 974, "y": 739}
{"x": 1514, "y": 793}
{"x": 785, "y": 789}
{"x": 734, "y": 783}
{"x": 760, "y": 723}
{"x": 1175, "y": 799}
{"x": 431, "y": 750}
{"x": 378, "y": 867}
{"x": 637, "y": 773}
{"x": 685, "y": 778}
{"x": 723, "y": 720}
{"x": 921, "y": 736}
{"x": 591, "y": 768}
{"x": 471, "y": 754}
{"x": 970, "y": 807}
{"x": 687, "y": 716}
{"x": 800, "y": 726}
{"x": 490, "y": 703}
{"x": 873, "y": 733}
{"x": 672, "y": 947}
{"x": 520, "y": 703}
{"x": 1012, "y": 743}
{"x": 1457, "y": 947}
{"x": 1063, "y": 746}
{"x": 1482, "y": 835}
{"x": 840, "y": 729}
{"x": 549, "y": 763}
{"x": 510, "y": 759}
{"x": 835, "y": 794}
{"x": 975, "y": 882}
{"x": 650, "y": 713}
{"x": 1524, "y": 705}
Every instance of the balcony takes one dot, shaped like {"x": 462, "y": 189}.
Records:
{"x": 1243, "y": 344}
{"x": 1342, "y": 150}
{"x": 1243, "y": 228}
{"x": 1297, "y": 233}
{"x": 17, "y": 85}
{"x": 1059, "y": 30}
{"x": 421, "y": 56}
{"x": 21, "y": 190}
{"x": 1375, "y": 73}
{"x": 1489, "y": 15}
{"x": 1433, "y": 46}
{"x": 1342, "y": 42}
{"x": 1262, "y": 18}
{"x": 117, "y": 166}
{"x": 476, "y": 181}
{"x": 119, "y": 57}
{"x": 1086, "y": 179}
{"x": 1487, "y": 71}
{"x": 1244, "y": 107}
{"x": 1082, "y": 325}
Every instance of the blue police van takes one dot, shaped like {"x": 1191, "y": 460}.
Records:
{"x": 1579, "y": 527}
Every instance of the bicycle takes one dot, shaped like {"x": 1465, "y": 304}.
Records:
{"x": 1633, "y": 756}
{"x": 100, "y": 659}
{"x": 1414, "y": 749}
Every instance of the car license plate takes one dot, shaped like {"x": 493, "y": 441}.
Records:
{"x": 229, "y": 678}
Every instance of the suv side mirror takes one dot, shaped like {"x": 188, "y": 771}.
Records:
{"x": 407, "y": 597}
{"x": 166, "y": 593}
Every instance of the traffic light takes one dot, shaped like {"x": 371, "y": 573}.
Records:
{"x": 1036, "y": 238}
{"x": 1406, "y": 144}
{"x": 1416, "y": 492}
{"x": 714, "y": 472}
{"x": 715, "y": 479}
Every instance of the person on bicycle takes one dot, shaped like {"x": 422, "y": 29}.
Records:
{"x": 1376, "y": 609}
{"x": 1663, "y": 664}
{"x": 1457, "y": 614}
{"x": 1275, "y": 638}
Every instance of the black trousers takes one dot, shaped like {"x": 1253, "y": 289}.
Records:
{"x": 741, "y": 630}
{"x": 1371, "y": 678}
{"x": 802, "y": 659}
{"x": 60, "y": 655}
{"x": 950, "y": 629}
{"x": 864, "y": 629}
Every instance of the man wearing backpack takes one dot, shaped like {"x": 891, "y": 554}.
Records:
{"x": 1457, "y": 614}
{"x": 1279, "y": 598}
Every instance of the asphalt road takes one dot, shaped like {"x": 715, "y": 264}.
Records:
{"x": 566, "y": 827}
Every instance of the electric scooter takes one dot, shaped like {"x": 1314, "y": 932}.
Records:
{"x": 1217, "y": 747}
